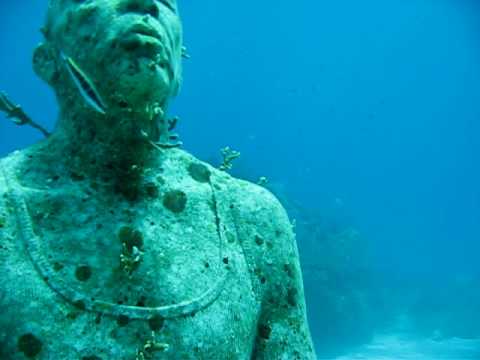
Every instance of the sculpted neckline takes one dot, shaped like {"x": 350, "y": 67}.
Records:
{"x": 45, "y": 270}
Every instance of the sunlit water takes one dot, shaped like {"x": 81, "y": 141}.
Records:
{"x": 402, "y": 346}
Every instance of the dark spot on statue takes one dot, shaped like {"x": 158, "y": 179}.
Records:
{"x": 156, "y": 322}
{"x": 30, "y": 345}
{"x": 130, "y": 44}
{"x": 230, "y": 237}
{"x": 130, "y": 237}
{"x": 123, "y": 104}
{"x": 225, "y": 260}
{"x": 258, "y": 240}
{"x": 292, "y": 296}
{"x": 199, "y": 172}
{"x": 207, "y": 265}
{"x": 77, "y": 176}
{"x": 175, "y": 201}
{"x": 160, "y": 180}
{"x": 151, "y": 190}
{"x": 264, "y": 331}
{"x": 263, "y": 280}
{"x": 98, "y": 319}
{"x": 127, "y": 189}
{"x": 289, "y": 270}
{"x": 91, "y": 357}
{"x": 79, "y": 304}
{"x": 123, "y": 320}
{"x": 83, "y": 272}
{"x": 57, "y": 266}
{"x": 142, "y": 301}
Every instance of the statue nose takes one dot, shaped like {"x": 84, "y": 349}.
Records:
{"x": 144, "y": 7}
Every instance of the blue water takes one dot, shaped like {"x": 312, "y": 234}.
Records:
{"x": 365, "y": 114}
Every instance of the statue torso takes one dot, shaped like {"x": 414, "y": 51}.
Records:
{"x": 164, "y": 278}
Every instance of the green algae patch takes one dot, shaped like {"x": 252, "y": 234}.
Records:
{"x": 175, "y": 201}
{"x": 199, "y": 172}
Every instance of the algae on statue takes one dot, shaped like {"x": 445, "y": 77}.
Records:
{"x": 127, "y": 246}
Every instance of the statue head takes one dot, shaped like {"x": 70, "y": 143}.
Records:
{"x": 113, "y": 61}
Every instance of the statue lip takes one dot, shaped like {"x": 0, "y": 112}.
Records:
{"x": 145, "y": 30}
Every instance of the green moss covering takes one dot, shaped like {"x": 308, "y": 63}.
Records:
{"x": 199, "y": 172}
{"x": 175, "y": 201}
{"x": 123, "y": 320}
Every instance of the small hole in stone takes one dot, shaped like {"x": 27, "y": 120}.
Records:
{"x": 57, "y": 266}
{"x": 156, "y": 322}
{"x": 79, "y": 304}
{"x": 83, "y": 272}
{"x": 258, "y": 240}
{"x": 142, "y": 301}
{"x": 123, "y": 320}
{"x": 30, "y": 345}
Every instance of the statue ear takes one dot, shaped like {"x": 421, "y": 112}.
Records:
{"x": 45, "y": 63}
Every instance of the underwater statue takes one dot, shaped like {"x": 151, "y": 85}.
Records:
{"x": 114, "y": 243}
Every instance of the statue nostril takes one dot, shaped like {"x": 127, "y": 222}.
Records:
{"x": 143, "y": 7}
{"x": 153, "y": 11}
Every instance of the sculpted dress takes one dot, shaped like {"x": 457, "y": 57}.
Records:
{"x": 201, "y": 266}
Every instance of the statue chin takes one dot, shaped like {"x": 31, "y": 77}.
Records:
{"x": 137, "y": 83}
{"x": 140, "y": 71}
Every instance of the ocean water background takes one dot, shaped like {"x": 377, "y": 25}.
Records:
{"x": 364, "y": 115}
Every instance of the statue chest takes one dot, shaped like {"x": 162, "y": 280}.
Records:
{"x": 134, "y": 283}
{"x": 224, "y": 328}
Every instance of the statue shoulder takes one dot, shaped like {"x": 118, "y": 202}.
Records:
{"x": 261, "y": 222}
{"x": 266, "y": 235}
{"x": 270, "y": 248}
{"x": 260, "y": 212}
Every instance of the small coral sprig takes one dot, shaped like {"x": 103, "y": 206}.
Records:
{"x": 262, "y": 181}
{"x": 18, "y": 116}
{"x": 229, "y": 156}
{"x": 151, "y": 347}
{"x": 130, "y": 259}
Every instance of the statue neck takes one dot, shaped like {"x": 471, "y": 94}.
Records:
{"x": 105, "y": 150}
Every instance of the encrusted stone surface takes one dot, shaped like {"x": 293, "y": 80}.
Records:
{"x": 259, "y": 311}
{"x": 114, "y": 245}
